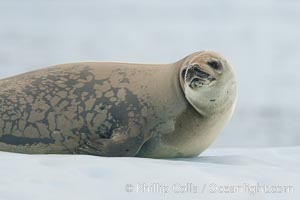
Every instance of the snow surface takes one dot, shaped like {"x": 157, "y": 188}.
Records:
{"x": 36, "y": 177}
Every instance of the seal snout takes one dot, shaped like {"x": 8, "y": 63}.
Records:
{"x": 197, "y": 76}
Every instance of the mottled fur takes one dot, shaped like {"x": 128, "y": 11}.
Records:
{"x": 105, "y": 109}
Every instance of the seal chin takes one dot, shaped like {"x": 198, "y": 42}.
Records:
{"x": 196, "y": 77}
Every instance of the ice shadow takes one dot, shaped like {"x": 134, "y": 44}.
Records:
{"x": 224, "y": 160}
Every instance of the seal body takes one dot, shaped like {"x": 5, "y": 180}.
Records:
{"x": 111, "y": 109}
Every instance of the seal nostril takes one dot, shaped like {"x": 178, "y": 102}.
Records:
{"x": 199, "y": 72}
{"x": 197, "y": 69}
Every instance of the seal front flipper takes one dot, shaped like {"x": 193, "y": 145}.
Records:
{"x": 125, "y": 141}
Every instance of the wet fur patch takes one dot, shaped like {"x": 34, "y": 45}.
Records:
{"x": 11, "y": 139}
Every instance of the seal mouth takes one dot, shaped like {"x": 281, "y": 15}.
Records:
{"x": 197, "y": 77}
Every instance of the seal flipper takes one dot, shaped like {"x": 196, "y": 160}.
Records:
{"x": 125, "y": 141}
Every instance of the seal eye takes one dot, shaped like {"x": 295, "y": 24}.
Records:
{"x": 214, "y": 64}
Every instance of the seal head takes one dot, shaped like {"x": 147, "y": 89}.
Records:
{"x": 208, "y": 82}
